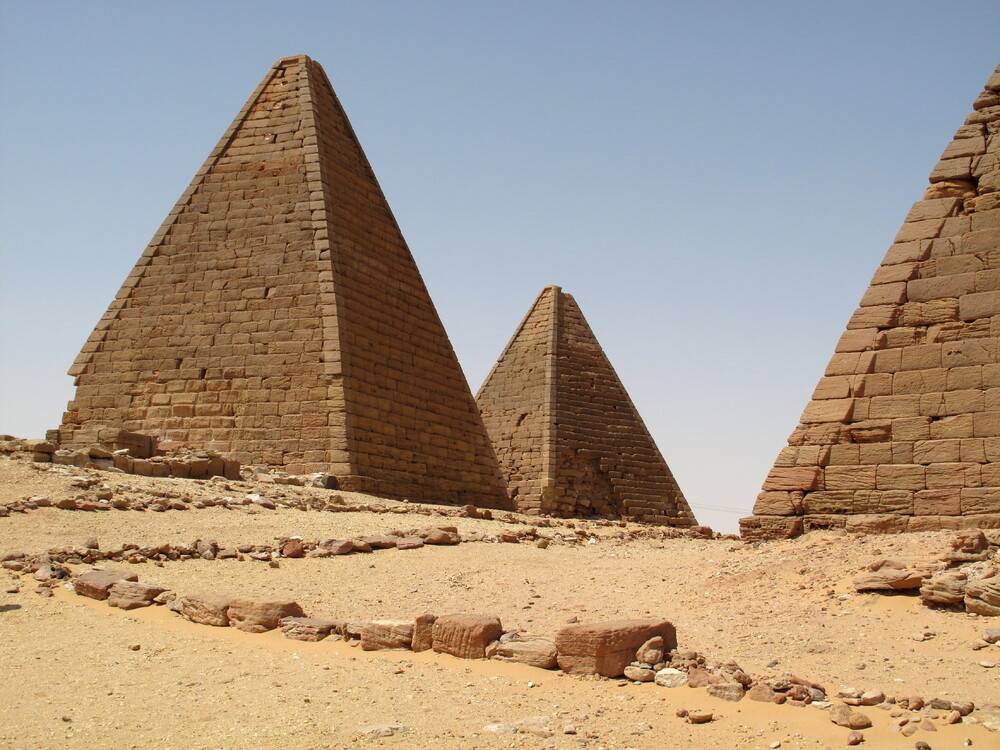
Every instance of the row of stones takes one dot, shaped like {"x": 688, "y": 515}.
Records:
{"x": 644, "y": 651}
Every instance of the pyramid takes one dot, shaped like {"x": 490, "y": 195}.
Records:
{"x": 278, "y": 315}
{"x": 903, "y": 429}
{"x": 568, "y": 438}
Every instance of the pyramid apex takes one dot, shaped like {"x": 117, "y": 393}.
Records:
{"x": 286, "y": 59}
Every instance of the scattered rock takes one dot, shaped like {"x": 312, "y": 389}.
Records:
{"x": 670, "y": 677}
{"x": 640, "y": 674}
{"x": 699, "y": 717}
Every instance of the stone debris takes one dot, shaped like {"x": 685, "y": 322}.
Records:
{"x": 845, "y": 716}
{"x": 893, "y": 575}
{"x": 983, "y": 597}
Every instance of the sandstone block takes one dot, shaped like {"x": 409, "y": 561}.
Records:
{"x": 756, "y": 528}
{"x": 207, "y": 609}
{"x": 937, "y": 502}
{"x": 423, "y": 632}
{"x": 982, "y": 596}
{"x": 794, "y": 478}
{"x": 256, "y": 616}
{"x": 535, "y": 652}
{"x": 380, "y": 635}
{"x": 606, "y": 648}
{"x": 97, "y": 584}
{"x": 980, "y": 500}
{"x": 308, "y": 628}
{"x": 900, "y": 477}
{"x": 850, "y": 477}
{"x": 464, "y": 635}
{"x": 776, "y": 503}
{"x": 888, "y": 523}
{"x": 132, "y": 594}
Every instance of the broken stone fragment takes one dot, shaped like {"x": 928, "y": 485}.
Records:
{"x": 892, "y": 575}
{"x": 409, "y": 542}
{"x": 728, "y": 691}
{"x": 983, "y": 597}
{"x": 845, "y": 716}
{"x": 943, "y": 589}
{"x": 650, "y": 652}
{"x": 97, "y": 583}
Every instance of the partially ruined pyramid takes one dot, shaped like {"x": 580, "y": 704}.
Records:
{"x": 903, "y": 430}
{"x": 567, "y": 436}
{"x": 278, "y": 315}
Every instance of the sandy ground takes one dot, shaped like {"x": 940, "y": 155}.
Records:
{"x": 785, "y": 606}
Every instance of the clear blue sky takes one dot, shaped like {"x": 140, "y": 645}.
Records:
{"x": 714, "y": 182}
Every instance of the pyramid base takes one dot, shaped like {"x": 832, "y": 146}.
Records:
{"x": 403, "y": 489}
{"x": 764, "y": 527}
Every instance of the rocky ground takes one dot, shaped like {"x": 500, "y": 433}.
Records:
{"x": 779, "y": 607}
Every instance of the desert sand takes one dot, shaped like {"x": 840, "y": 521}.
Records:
{"x": 789, "y": 606}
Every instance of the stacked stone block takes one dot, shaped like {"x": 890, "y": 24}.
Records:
{"x": 568, "y": 437}
{"x": 278, "y": 315}
{"x": 903, "y": 430}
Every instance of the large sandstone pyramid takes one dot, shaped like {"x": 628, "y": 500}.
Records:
{"x": 903, "y": 431}
{"x": 278, "y": 314}
{"x": 568, "y": 438}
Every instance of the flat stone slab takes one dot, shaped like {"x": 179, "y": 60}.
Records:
{"x": 97, "y": 583}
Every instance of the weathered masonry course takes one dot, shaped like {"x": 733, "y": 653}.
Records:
{"x": 568, "y": 437}
{"x": 903, "y": 430}
{"x": 278, "y": 315}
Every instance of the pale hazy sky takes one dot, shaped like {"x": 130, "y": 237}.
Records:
{"x": 714, "y": 182}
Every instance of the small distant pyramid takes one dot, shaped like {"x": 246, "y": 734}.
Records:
{"x": 278, "y": 315}
{"x": 903, "y": 430}
{"x": 568, "y": 437}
